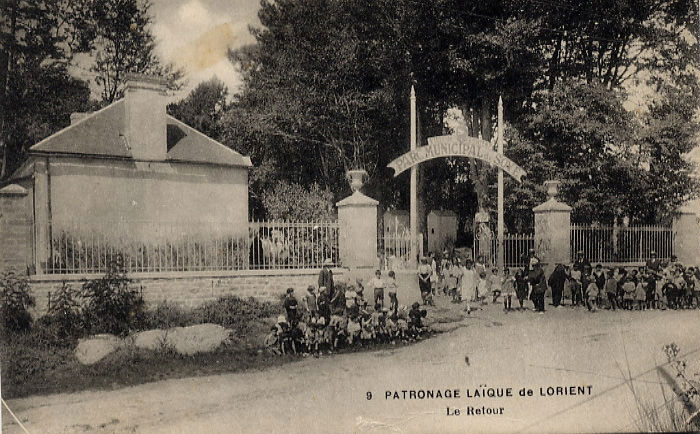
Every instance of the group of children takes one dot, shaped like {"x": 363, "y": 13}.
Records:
{"x": 655, "y": 286}
{"x": 673, "y": 287}
{"x": 476, "y": 283}
{"x": 330, "y": 319}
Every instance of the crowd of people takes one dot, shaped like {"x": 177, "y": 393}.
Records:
{"x": 656, "y": 285}
{"x": 332, "y": 316}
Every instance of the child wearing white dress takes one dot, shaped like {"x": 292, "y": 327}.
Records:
{"x": 508, "y": 287}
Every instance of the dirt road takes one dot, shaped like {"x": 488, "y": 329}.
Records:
{"x": 563, "y": 348}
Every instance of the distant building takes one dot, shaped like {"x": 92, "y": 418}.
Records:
{"x": 396, "y": 221}
{"x": 442, "y": 226}
{"x": 131, "y": 170}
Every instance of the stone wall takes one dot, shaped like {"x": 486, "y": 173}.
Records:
{"x": 193, "y": 289}
{"x": 15, "y": 229}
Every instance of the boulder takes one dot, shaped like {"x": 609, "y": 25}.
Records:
{"x": 201, "y": 338}
{"x": 91, "y": 350}
{"x": 151, "y": 340}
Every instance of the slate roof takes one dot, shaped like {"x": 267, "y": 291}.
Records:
{"x": 102, "y": 133}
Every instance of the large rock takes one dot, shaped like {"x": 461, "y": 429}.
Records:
{"x": 151, "y": 340}
{"x": 201, "y": 338}
{"x": 91, "y": 350}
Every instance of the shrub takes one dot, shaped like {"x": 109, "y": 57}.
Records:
{"x": 290, "y": 201}
{"x": 112, "y": 307}
{"x": 167, "y": 315}
{"x": 63, "y": 322}
{"x": 235, "y": 312}
{"x": 15, "y": 301}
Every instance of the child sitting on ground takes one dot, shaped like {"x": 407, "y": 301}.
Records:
{"x": 272, "y": 342}
{"x": 354, "y": 329}
{"x": 402, "y": 322}
{"x": 415, "y": 324}
{"x": 391, "y": 326}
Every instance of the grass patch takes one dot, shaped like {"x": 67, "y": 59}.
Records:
{"x": 33, "y": 364}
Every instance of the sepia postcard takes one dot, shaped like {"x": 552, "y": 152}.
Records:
{"x": 348, "y": 216}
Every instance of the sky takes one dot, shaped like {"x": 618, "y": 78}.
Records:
{"x": 196, "y": 34}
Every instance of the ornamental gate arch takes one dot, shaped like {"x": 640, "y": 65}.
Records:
{"x": 457, "y": 145}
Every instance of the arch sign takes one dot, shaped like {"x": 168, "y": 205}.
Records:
{"x": 457, "y": 145}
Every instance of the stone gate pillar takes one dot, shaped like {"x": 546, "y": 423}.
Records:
{"x": 686, "y": 241}
{"x": 15, "y": 230}
{"x": 552, "y": 229}
{"x": 357, "y": 221}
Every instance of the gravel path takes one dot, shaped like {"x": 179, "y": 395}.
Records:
{"x": 564, "y": 347}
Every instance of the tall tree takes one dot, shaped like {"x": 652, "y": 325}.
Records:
{"x": 203, "y": 107}
{"x": 37, "y": 42}
{"x": 123, "y": 42}
{"x": 328, "y": 80}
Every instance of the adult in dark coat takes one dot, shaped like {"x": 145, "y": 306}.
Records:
{"x": 538, "y": 283}
{"x": 324, "y": 305}
{"x": 556, "y": 282}
{"x": 325, "y": 277}
{"x": 581, "y": 262}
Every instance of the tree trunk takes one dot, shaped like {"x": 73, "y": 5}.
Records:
{"x": 5, "y": 72}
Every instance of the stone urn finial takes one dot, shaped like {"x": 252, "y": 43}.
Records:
{"x": 357, "y": 179}
{"x": 552, "y": 188}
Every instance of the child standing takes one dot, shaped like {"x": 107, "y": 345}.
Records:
{"x": 599, "y": 278}
{"x": 576, "y": 295}
{"x": 508, "y": 289}
{"x": 640, "y": 294}
{"x": 520, "y": 288}
{"x": 629, "y": 288}
{"x": 378, "y": 284}
{"x": 495, "y": 284}
{"x": 482, "y": 288}
{"x": 391, "y": 289}
{"x": 310, "y": 302}
{"x": 611, "y": 289}
{"x": 591, "y": 295}
{"x": 452, "y": 278}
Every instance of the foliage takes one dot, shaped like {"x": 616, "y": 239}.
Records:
{"x": 15, "y": 301}
{"x": 287, "y": 201}
{"x": 203, "y": 108}
{"x": 63, "y": 322}
{"x": 37, "y": 42}
{"x": 112, "y": 306}
{"x": 122, "y": 42}
{"x": 235, "y": 312}
{"x": 585, "y": 136}
{"x": 329, "y": 81}
{"x": 167, "y": 315}
{"x": 689, "y": 383}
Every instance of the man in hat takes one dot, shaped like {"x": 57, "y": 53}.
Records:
{"x": 653, "y": 264}
{"x": 325, "y": 277}
{"x": 581, "y": 263}
{"x": 528, "y": 260}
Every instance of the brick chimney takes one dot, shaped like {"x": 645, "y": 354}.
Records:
{"x": 146, "y": 129}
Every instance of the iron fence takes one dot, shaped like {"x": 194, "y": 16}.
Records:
{"x": 621, "y": 244}
{"x": 82, "y": 247}
{"x": 515, "y": 249}
{"x": 394, "y": 249}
